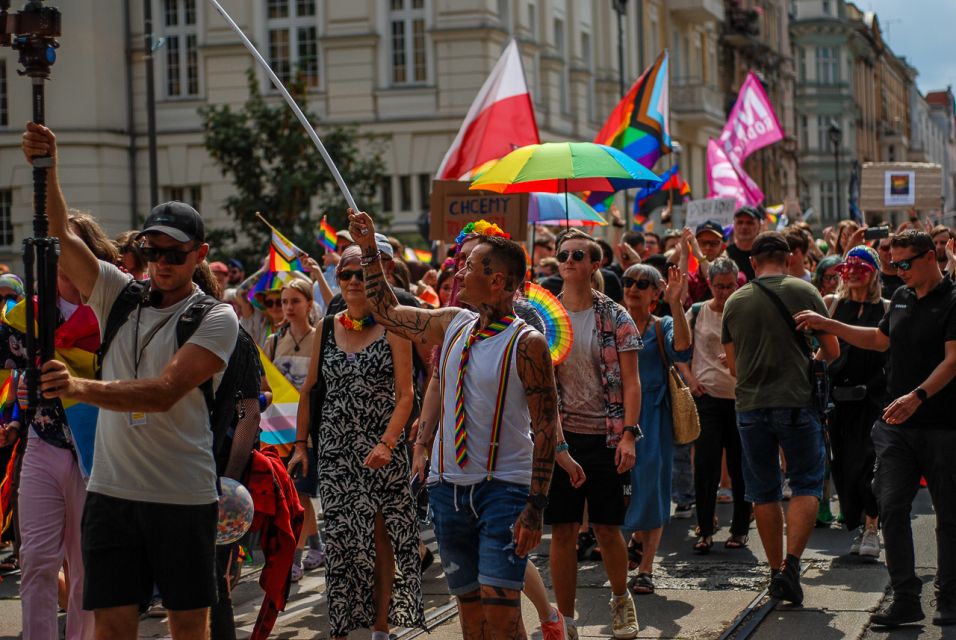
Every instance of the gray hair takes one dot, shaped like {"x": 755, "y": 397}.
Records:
{"x": 722, "y": 265}
{"x": 637, "y": 271}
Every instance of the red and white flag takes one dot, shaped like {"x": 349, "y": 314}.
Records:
{"x": 500, "y": 120}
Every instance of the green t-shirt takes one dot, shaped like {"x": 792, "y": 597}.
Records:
{"x": 772, "y": 371}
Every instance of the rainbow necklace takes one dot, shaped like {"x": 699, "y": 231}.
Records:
{"x": 352, "y": 324}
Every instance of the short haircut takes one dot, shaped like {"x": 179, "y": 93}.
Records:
{"x": 511, "y": 255}
{"x": 918, "y": 241}
{"x": 594, "y": 249}
{"x": 722, "y": 265}
{"x": 544, "y": 238}
{"x": 606, "y": 250}
{"x": 633, "y": 239}
{"x": 941, "y": 228}
{"x": 651, "y": 233}
{"x": 797, "y": 239}
{"x": 770, "y": 247}
{"x": 635, "y": 271}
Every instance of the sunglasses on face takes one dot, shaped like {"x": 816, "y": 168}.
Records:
{"x": 640, "y": 284}
{"x": 907, "y": 264}
{"x": 860, "y": 269}
{"x": 346, "y": 276}
{"x": 268, "y": 303}
{"x": 577, "y": 255}
{"x": 170, "y": 256}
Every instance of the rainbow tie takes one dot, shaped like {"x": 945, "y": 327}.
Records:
{"x": 476, "y": 335}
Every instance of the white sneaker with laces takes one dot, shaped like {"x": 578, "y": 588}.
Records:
{"x": 870, "y": 544}
{"x": 623, "y": 617}
{"x": 857, "y": 541}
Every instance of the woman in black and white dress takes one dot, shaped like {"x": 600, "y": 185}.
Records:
{"x": 373, "y": 568}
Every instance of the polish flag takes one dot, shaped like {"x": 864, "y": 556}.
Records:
{"x": 500, "y": 120}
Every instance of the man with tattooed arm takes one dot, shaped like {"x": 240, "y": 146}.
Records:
{"x": 489, "y": 479}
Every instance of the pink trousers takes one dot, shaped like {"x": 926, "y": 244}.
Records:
{"x": 51, "y": 497}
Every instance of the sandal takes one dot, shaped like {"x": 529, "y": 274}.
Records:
{"x": 704, "y": 543}
{"x": 642, "y": 584}
{"x": 635, "y": 553}
{"x": 737, "y": 541}
{"x": 716, "y": 528}
{"x": 10, "y": 565}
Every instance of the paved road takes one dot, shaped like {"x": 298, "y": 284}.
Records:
{"x": 697, "y": 597}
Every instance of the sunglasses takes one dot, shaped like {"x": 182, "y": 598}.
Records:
{"x": 640, "y": 284}
{"x": 268, "y": 303}
{"x": 170, "y": 256}
{"x": 345, "y": 276}
{"x": 907, "y": 264}
{"x": 862, "y": 269}
{"x": 577, "y": 255}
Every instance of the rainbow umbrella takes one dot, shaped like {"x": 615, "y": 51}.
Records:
{"x": 557, "y": 323}
{"x": 564, "y": 166}
{"x": 551, "y": 208}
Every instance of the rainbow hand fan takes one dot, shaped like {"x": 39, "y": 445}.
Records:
{"x": 557, "y": 323}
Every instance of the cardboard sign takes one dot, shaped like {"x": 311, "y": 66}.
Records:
{"x": 898, "y": 185}
{"x": 719, "y": 209}
{"x": 453, "y": 206}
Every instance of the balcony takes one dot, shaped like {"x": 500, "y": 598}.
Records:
{"x": 697, "y": 11}
{"x": 697, "y": 104}
{"x": 741, "y": 26}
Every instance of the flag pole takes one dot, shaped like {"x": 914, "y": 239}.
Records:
{"x": 292, "y": 104}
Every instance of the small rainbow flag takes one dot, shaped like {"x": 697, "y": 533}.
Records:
{"x": 418, "y": 255}
{"x": 326, "y": 235}
{"x": 283, "y": 255}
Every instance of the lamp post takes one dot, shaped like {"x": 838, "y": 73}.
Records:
{"x": 836, "y": 137}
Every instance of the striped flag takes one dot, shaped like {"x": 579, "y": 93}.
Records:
{"x": 418, "y": 255}
{"x": 326, "y": 235}
{"x": 278, "y": 420}
{"x": 283, "y": 254}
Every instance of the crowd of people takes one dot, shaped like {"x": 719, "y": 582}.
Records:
{"x": 808, "y": 358}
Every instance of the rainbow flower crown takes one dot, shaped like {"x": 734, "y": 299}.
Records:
{"x": 481, "y": 228}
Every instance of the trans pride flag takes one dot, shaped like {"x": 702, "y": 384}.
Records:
{"x": 283, "y": 255}
{"x": 278, "y": 420}
{"x": 638, "y": 125}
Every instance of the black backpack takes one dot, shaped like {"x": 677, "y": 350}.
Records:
{"x": 221, "y": 402}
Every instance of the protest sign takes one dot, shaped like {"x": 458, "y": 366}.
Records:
{"x": 900, "y": 185}
{"x": 719, "y": 209}
{"x": 453, "y": 206}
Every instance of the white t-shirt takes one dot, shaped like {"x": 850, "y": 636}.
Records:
{"x": 169, "y": 458}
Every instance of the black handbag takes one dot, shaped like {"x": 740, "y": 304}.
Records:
{"x": 817, "y": 370}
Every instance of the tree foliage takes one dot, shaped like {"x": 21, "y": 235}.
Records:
{"x": 276, "y": 169}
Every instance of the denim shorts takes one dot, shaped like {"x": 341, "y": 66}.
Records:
{"x": 799, "y": 434}
{"x": 474, "y": 525}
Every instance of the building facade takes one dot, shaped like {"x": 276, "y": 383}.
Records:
{"x": 942, "y": 107}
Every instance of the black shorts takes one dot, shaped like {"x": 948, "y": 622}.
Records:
{"x": 603, "y": 490}
{"x": 130, "y": 546}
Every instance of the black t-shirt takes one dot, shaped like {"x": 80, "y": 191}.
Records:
{"x": 742, "y": 258}
{"x": 918, "y": 330}
{"x": 890, "y": 284}
{"x": 613, "y": 288}
{"x": 554, "y": 283}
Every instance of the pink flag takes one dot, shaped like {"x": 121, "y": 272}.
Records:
{"x": 752, "y": 123}
{"x": 727, "y": 181}
{"x": 500, "y": 120}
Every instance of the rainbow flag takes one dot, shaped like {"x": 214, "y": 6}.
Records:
{"x": 7, "y": 472}
{"x": 326, "y": 235}
{"x": 670, "y": 181}
{"x": 418, "y": 255}
{"x": 283, "y": 255}
{"x": 638, "y": 125}
{"x": 278, "y": 420}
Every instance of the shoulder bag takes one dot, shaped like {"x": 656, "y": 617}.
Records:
{"x": 686, "y": 421}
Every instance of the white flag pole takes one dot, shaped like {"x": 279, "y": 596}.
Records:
{"x": 292, "y": 104}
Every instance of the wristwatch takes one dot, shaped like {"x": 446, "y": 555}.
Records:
{"x": 538, "y": 500}
{"x": 634, "y": 430}
{"x": 921, "y": 394}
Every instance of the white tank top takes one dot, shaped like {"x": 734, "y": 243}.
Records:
{"x": 483, "y": 380}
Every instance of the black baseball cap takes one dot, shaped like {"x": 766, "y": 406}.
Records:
{"x": 750, "y": 211}
{"x": 710, "y": 226}
{"x": 177, "y": 220}
{"x": 769, "y": 242}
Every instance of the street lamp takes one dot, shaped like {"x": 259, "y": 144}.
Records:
{"x": 835, "y": 134}
{"x": 620, "y": 6}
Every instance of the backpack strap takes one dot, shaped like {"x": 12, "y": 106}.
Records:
{"x": 134, "y": 294}
{"x": 787, "y": 318}
{"x": 694, "y": 312}
{"x": 186, "y": 326}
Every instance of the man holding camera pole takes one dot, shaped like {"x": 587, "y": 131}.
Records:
{"x": 915, "y": 436}
{"x": 151, "y": 510}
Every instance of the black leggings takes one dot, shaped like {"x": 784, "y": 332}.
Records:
{"x": 718, "y": 431}
{"x": 222, "y": 624}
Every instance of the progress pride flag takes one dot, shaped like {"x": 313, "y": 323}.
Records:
{"x": 752, "y": 125}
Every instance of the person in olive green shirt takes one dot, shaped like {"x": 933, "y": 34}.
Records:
{"x": 775, "y": 409}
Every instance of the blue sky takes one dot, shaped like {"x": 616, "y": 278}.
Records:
{"x": 921, "y": 30}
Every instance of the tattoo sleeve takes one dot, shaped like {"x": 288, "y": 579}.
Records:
{"x": 537, "y": 374}
{"x": 424, "y": 326}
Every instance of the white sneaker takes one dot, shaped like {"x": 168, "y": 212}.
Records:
{"x": 313, "y": 559}
{"x": 623, "y": 617}
{"x": 870, "y": 545}
{"x": 857, "y": 541}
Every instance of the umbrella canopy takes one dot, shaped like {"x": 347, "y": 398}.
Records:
{"x": 551, "y": 208}
{"x": 564, "y": 166}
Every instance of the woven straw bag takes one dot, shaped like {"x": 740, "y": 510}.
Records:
{"x": 683, "y": 408}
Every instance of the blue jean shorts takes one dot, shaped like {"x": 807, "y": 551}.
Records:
{"x": 474, "y": 525}
{"x": 799, "y": 434}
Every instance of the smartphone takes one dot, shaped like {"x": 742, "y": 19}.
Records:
{"x": 416, "y": 484}
{"x": 876, "y": 233}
